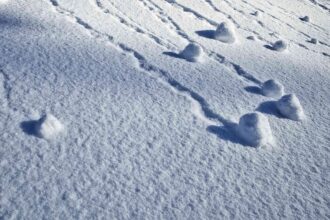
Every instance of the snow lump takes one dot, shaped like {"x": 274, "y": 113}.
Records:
{"x": 193, "y": 52}
{"x": 254, "y": 129}
{"x": 272, "y": 88}
{"x": 225, "y": 33}
{"x": 289, "y": 106}
{"x": 49, "y": 127}
{"x": 280, "y": 45}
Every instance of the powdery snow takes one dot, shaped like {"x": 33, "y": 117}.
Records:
{"x": 289, "y": 106}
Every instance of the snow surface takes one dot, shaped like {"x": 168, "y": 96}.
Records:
{"x": 150, "y": 135}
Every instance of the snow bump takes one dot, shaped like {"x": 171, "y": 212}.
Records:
{"x": 193, "y": 53}
{"x": 225, "y": 32}
{"x": 254, "y": 129}
{"x": 289, "y": 106}
{"x": 280, "y": 45}
{"x": 272, "y": 88}
{"x": 49, "y": 127}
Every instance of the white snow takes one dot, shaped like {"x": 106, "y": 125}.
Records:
{"x": 289, "y": 106}
{"x": 255, "y": 130}
{"x": 272, "y": 88}
{"x": 48, "y": 127}
{"x": 280, "y": 45}
{"x": 3, "y": 1}
{"x": 225, "y": 32}
{"x": 192, "y": 52}
{"x": 136, "y": 132}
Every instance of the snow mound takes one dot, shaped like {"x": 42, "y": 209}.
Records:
{"x": 305, "y": 18}
{"x": 272, "y": 88}
{"x": 48, "y": 127}
{"x": 225, "y": 33}
{"x": 280, "y": 45}
{"x": 193, "y": 52}
{"x": 255, "y": 130}
{"x": 289, "y": 106}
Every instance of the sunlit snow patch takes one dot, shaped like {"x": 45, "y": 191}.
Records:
{"x": 254, "y": 129}
{"x": 193, "y": 53}
{"x": 272, "y": 88}
{"x": 49, "y": 127}
{"x": 289, "y": 106}
{"x": 225, "y": 33}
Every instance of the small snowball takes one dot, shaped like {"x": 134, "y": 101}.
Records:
{"x": 193, "y": 53}
{"x": 280, "y": 45}
{"x": 305, "y": 18}
{"x": 225, "y": 33}
{"x": 272, "y": 88}
{"x": 48, "y": 127}
{"x": 290, "y": 107}
{"x": 255, "y": 130}
{"x": 256, "y": 13}
{"x": 314, "y": 41}
{"x": 251, "y": 38}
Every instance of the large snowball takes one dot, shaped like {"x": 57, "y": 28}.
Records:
{"x": 272, "y": 88}
{"x": 254, "y": 129}
{"x": 193, "y": 53}
{"x": 290, "y": 107}
{"x": 225, "y": 33}
{"x": 280, "y": 45}
{"x": 49, "y": 127}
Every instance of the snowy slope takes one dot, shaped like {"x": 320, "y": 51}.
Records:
{"x": 134, "y": 131}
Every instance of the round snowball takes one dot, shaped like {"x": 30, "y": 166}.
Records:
{"x": 280, "y": 45}
{"x": 49, "y": 127}
{"x": 289, "y": 106}
{"x": 254, "y": 129}
{"x": 272, "y": 88}
{"x": 193, "y": 53}
{"x": 225, "y": 33}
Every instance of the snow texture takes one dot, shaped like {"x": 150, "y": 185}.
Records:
{"x": 289, "y": 106}
{"x": 254, "y": 129}
{"x": 192, "y": 52}
{"x": 272, "y": 88}
{"x": 225, "y": 32}
{"x": 280, "y": 45}
{"x": 49, "y": 127}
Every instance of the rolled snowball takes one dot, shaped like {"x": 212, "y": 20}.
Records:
{"x": 289, "y": 106}
{"x": 280, "y": 45}
{"x": 49, "y": 127}
{"x": 193, "y": 53}
{"x": 272, "y": 88}
{"x": 225, "y": 33}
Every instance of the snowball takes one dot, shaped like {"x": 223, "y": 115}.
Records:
{"x": 272, "y": 88}
{"x": 314, "y": 41}
{"x": 48, "y": 127}
{"x": 305, "y": 18}
{"x": 290, "y": 107}
{"x": 280, "y": 45}
{"x": 255, "y": 130}
{"x": 193, "y": 53}
{"x": 225, "y": 33}
{"x": 251, "y": 38}
{"x": 256, "y": 13}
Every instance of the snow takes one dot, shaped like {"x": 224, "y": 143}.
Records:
{"x": 49, "y": 127}
{"x": 289, "y": 106}
{"x": 272, "y": 88}
{"x": 192, "y": 52}
{"x": 280, "y": 45}
{"x": 255, "y": 130}
{"x": 225, "y": 32}
{"x": 148, "y": 135}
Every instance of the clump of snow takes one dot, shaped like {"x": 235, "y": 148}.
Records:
{"x": 49, "y": 127}
{"x": 272, "y": 88}
{"x": 256, "y": 13}
{"x": 280, "y": 45}
{"x": 225, "y": 33}
{"x": 254, "y": 129}
{"x": 252, "y": 38}
{"x": 193, "y": 52}
{"x": 289, "y": 106}
{"x": 314, "y": 41}
{"x": 305, "y": 18}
